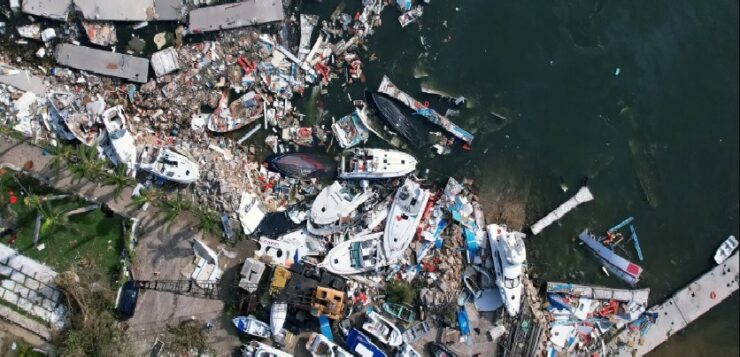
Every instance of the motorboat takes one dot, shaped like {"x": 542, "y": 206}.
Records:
{"x": 241, "y": 112}
{"x": 357, "y": 255}
{"x": 509, "y": 255}
{"x": 251, "y": 212}
{"x": 120, "y": 138}
{"x": 278, "y": 313}
{"x": 400, "y": 312}
{"x": 83, "y": 125}
{"x": 169, "y": 165}
{"x": 361, "y": 163}
{"x": 251, "y": 326}
{"x": 320, "y": 346}
{"x": 336, "y": 201}
{"x": 416, "y": 331}
{"x": 407, "y": 350}
{"x": 405, "y": 216}
{"x": 390, "y": 111}
{"x": 350, "y": 131}
{"x": 290, "y": 248}
{"x": 725, "y": 249}
{"x": 361, "y": 345}
{"x": 621, "y": 267}
{"x": 302, "y": 165}
{"x": 382, "y": 329}
{"x": 440, "y": 350}
{"x": 259, "y": 349}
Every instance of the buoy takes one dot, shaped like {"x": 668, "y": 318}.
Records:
{"x": 712, "y": 295}
{"x": 426, "y": 103}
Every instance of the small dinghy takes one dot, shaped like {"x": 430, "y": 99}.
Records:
{"x": 357, "y": 255}
{"x": 725, "y": 249}
{"x": 350, "y": 131}
{"x": 119, "y": 136}
{"x": 169, "y": 165}
{"x": 361, "y": 163}
{"x": 251, "y": 212}
{"x": 251, "y": 326}
{"x": 320, "y": 346}
{"x": 384, "y": 330}
{"x": 405, "y": 216}
{"x": 621, "y": 267}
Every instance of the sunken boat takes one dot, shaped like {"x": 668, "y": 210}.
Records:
{"x": 395, "y": 117}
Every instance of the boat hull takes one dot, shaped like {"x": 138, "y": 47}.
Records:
{"x": 302, "y": 165}
{"x": 391, "y": 113}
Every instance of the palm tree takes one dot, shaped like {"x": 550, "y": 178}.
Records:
{"x": 87, "y": 164}
{"x": 119, "y": 179}
{"x": 54, "y": 218}
{"x": 62, "y": 156}
{"x": 208, "y": 221}
{"x": 173, "y": 207}
{"x": 148, "y": 195}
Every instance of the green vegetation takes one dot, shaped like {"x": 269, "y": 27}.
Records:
{"x": 188, "y": 339}
{"x": 119, "y": 179}
{"x": 399, "y": 292}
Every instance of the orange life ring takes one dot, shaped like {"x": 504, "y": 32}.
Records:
{"x": 712, "y": 295}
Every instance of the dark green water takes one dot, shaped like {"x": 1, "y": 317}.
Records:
{"x": 665, "y": 128}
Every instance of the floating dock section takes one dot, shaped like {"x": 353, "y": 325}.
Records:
{"x": 639, "y": 296}
{"x": 134, "y": 69}
{"x": 107, "y": 10}
{"x": 388, "y": 88}
{"x": 680, "y": 310}
{"x": 240, "y": 14}
{"x": 583, "y": 195}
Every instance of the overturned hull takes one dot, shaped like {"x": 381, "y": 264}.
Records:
{"x": 390, "y": 111}
{"x": 621, "y": 267}
{"x": 302, "y": 165}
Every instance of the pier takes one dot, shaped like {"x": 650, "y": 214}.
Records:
{"x": 679, "y": 310}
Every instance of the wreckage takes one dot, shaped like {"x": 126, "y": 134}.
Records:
{"x": 168, "y": 165}
{"x": 388, "y": 110}
{"x": 302, "y": 165}
{"x": 119, "y": 136}
{"x": 403, "y": 219}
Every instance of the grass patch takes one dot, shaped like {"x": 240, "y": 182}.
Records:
{"x": 92, "y": 237}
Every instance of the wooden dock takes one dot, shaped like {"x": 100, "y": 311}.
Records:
{"x": 681, "y": 309}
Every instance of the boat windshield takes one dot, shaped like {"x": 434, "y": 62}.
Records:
{"x": 355, "y": 254}
{"x": 511, "y": 283}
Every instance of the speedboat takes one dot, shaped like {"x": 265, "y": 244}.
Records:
{"x": 119, "y": 136}
{"x": 320, "y": 346}
{"x": 384, "y": 330}
{"x": 405, "y": 216}
{"x": 389, "y": 110}
{"x": 169, "y": 165}
{"x": 241, "y": 112}
{"x": 251, "y": 326}
{"x": 361, "y": 163}
{"x": 259, "y": 349}
{"x": 251, "y": 212}
{"x": 84, "y": 126}
{"x": 725, "y": 249}
{"x": 278, "y": 313}
{"x": 621, "y": 267}
{"x": 361, "y": 345}
{"x": 302, "y": 165}
{"x": 350, "y": 131}
{"x": 509, "y": 254}
{"x": 400, "y": 312}
{"x": 356, "y": 255}
{"x": 336, "y": 201}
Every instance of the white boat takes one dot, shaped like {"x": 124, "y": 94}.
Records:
{"x": 251, "y": 212}
{"x": 320, "y": 346}
{"x": 278, "y": 312}
{"x": 259, "y": 349}
{"x": 119, "y": 136}
{"x": 350, "y": 131}
{"x": 361, "y": 163}
{"x": 336, "y": 201}
{"x": 357, "y": 255}
{"x": 407, "y": 351}
{"x": 251, "y": 326}
{"x": 84, "y": 126}
{"x": 725, "y": 249}
{"x": 169, "y": 165}
{"x": 383, "y": 329}
{"x": 509, "y": 254}
{"x": 405, "y": 216}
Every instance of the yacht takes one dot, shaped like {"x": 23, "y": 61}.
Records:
{"x": 169, "y": 165}
{"x": 119, "y": 136}
{"x": 361, "y": 163}
{"x": 336, "y": 201}
{"x": 357, "y": 255}
{"x": 509, "y": 254}
{"x": 405, "y": 215}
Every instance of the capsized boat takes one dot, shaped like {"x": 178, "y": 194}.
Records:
{"x": 405, "y": 216}
{"x": 119, "y": 136}
{"x": 389, "y": 110}
{"x": 350, "y": 131}
{"x": 84, "y": 126}
{"x": 356, "y": 255}
{"x": 399, "y": 311}
{"x": 259, "y": 349}
{"x": 361, "y": 345}
{"x": 302, "y": 165}
{"x": 616, "y": 264}
{"x": 320, "y": 346}
{"x": 725, "y": 249}
{"x": 251, "y": 212}
{"x": 336, "y": 201}
{"x": 169, "y": 165}
{"x": 361, "y": 163}
{"x": 278, "y": 313}
{"x": 509, "y": 255}
{"x": 251, "y": 326}
{"x": 384, "y": 330}
{"x": 241, "y": 112}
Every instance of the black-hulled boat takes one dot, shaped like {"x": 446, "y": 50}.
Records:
{"x": 393, "y": 115}
{"x": 303, "y": 165}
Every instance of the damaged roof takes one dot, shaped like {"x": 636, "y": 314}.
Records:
{"x": 132, "y": 68}
{"x": 245, "y": 13}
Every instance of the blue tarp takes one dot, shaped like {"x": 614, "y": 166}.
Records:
{"x": 462, "y": 320}
{"x": 326, "y": 327}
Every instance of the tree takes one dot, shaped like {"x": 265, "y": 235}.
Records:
{"x": 172, "y": 207}
{"x": 148, "y": 195}
{"x": 86, "y": 164}
{"x": 188, "y": 339}
{"x": 208, "y": 221}
{"x": 54, "y": 218}
{"x": 62, "y": 155}
{"x": 399, "y": 292}
{"x": 119, "y": 179}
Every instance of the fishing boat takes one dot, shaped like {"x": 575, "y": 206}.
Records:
{"x": 405, "y": 216}
{"x": 614, "y": 263}
{"x": 251, "y": 326}
{"x": 302, "y": 165}
{"x": 169, "y": 165}
{"x": 400, "y": 312}
{"x": 375, "y": 164}
{"x": 384, "y": 330}
{"x": 336, "y": 201}
{"x": 84, "y": 126}
{"x": 725, "y": 249}
{"x": 320, "y": 346}
{"x": 278, "y": 313}
{"x": 509, "y": 254}
{"x": 361, "y": 345}
{"x": 120, "y": 138}
{"x": 241, "y": 112}
{"x": 259, "y": 349}
{"x": 407, "y": 351}
{"x": 389, "y": 110}
{"x": 356, "y": 255}
{"x": 251, "y": 212}
{"x": 350, "y": 131}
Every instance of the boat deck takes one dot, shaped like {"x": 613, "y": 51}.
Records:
{"x": 681, "y": 309}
